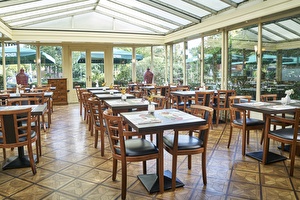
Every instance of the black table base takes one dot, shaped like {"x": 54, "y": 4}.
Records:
{"x": 151, "y": 181}
{"x": 17, "y": 162}
{"x": 271, "y": 158}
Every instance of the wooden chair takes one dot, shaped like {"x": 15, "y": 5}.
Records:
{"x": 87, "y": 111}
{"x": 222, "y": 103}
{"x": 204, "y": 98}
{"x": 77, "y": 87}
{"x": 178, "y": 102}
{"x": 285, "y": 135}
{"x": 97, "y": 108}
{"x": 130, "y": 150}
{"x": 161, "y": 102}
{"x": 3, "y": 99}
{"x": 42, "y": 100}
{"x": 241, "y": 119}
{"x": 190, "y": 144}
{"x": 268, "y": 97}
{"x": 15, "y": 128}
{"x": 34, "y": 119}
{"x": 164, "y": 91}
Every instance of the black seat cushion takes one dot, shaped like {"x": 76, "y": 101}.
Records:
{"x": 287, "y": 133}
{"x": 139, "y": 147}
{"x": 185, "y": 142}
{"x": 249, "y": 122}
{"x": 22, "y": 139}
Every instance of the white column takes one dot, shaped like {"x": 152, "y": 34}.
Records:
{"x": 171, "y": 63}
{"x": 134, "y": 64}
{"x": 259, "y": 62}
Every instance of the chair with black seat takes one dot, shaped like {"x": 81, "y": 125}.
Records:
{"x": 34, "y": 119}
{"x": 42, "y": 100}
{"x": 193, "y": 143}
{"x": 204, "y": 98}
{"x": 15, "y": 128}
{"x": 97, "y": 108}
{"x": 127, "y": 150}
{"x": 272, "y": 97}
{"x": 178, "y": 102}
{"x": 286, "y": 135}
{"x": 222, "y": 103}
{"x": 242, "y": 120}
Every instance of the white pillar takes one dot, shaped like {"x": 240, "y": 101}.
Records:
{"x": 259, "y": 62}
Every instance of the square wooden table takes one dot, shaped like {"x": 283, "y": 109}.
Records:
{"x": 268, "y": 108}
{"x": 161, "y": 120}
{"x": 118, "y": 105}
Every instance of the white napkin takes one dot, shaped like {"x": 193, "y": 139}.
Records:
{"x": 150, "y": 121}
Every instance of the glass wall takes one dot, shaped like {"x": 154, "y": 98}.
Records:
{"x": 212, "y": 61}
{"x": 193, "y": 63}
{"x": 178, "y": 63}
{"x": 51, "y": 62}
{"x": 159, "y": 65}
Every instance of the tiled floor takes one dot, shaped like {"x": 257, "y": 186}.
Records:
{"x": 71, "y": 168}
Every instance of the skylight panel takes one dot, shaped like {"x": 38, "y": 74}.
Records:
{"x": 188, "y": 7}
{"x": 281, "y": 31}
{"x": 150, "y": 9}
{"x": 126, "y": 11}
{"x": 213, "y": 4}
{"x": 49, "y": 16}
{"x": 30, "y": 5}
{"x": 271, "y": 35}
{"x": 129, "y": 19}
{"x": 291, "y": 25}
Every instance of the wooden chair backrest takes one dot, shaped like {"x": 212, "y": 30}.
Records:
{"x": 236, "y": 113}
{"x": 268, "y": 97}
{"x": 15, "y": 127}
{"x": 23, "y": 101}
{"x": 39, "y": 95}
{"x": 223, "y": 98}
{"x": 204, "y": 98}
{"x": 116, "y": 134}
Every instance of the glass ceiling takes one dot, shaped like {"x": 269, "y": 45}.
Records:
{"x": 158, "y": 17}
{"x": 141, "y": 16}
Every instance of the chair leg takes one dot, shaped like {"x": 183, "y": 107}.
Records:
{"x": 124, "y": 179}
{"x": 292, "y": 156}
{"x": 217, "y": 117}
{"x": 262, "y": 136}
{"x": 174, "y": 169}
{"x": 114, "y": 171}
{"x": 144, "y": 167}
{"x": 244, "y": 138}
{"x": 189, "y": 161}
{"x": 31, "y": 159}
{"x": 204, "y": 168}
{"x": 96, "y": 138}
{"x": 102, "y": 132}
{"x": 230, "y": 135}
{"x": 4, "y": 153}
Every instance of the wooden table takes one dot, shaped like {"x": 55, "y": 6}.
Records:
{"x": 117, "y": 105}
{"x": 161, "y": 120}
{"x": 268, "y": 108}
{"x": 21, "y": 160}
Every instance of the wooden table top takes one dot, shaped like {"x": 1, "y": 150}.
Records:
{"x": 160, "y": 120}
